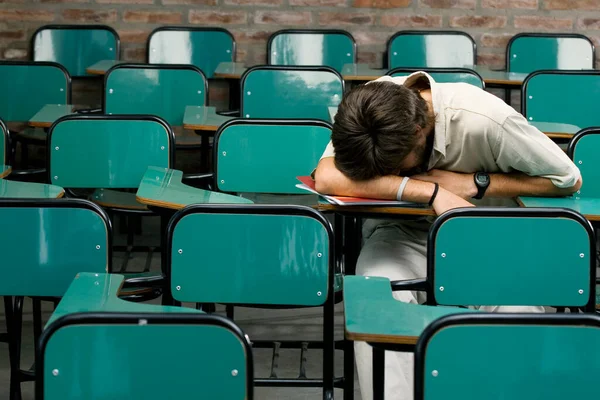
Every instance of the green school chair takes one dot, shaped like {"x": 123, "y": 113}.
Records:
{"x": 76, "y": 47}
{"x": 204, "y": 48}
{"x": 47, "y": 244}
{"x": 508, "y": 356}
{"x": 567, "y": 97}
{"x": 444, "y": 75}
{"x": 290, "y": 92}
{"x": 530, "y": 52}
{"x": 311, "y": 47}
{"x": 105, "y": 355}
{"x": 431, "y": 49}
{"x": 4, "y": 149}
{"x": 256, "y": 255}
{"x": 582, "y": 150}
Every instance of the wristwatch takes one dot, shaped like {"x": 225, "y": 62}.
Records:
{"x": 482, "y": 181}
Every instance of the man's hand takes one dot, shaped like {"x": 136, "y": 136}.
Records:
{"x": 462, "y": 185}
{"x": 446, "y": 200}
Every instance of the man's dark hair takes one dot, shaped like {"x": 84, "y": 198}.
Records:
{"x": 375, "y": 129}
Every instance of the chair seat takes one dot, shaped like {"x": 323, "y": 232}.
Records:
{"x": 116, "y": 199}
{"x": 36, "y": 134}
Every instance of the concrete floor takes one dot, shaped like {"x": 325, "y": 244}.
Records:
{"x": 303, "y": 324}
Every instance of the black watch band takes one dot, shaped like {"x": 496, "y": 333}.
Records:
{"x": 482, "y": 181}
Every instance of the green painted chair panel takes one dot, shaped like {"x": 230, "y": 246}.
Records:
{"x": 448, "y": 77}
{"x": 293, "y": 92}
{"x": 203, "y": 48}
{"x": 145, "y": 361}
{"x": 248, "y": 150}
{"x": 312, "y": 48}
{"x": 585, "y": 156}
{"x": 123, "y": 149}
{"x": 519, "y": 362}
{"x": 47, "y": 245}
{"x": 512, "y": 261}
{"x": 431, "y": 49}
{"x": 162, "y": 91}
{"x": 31, "y": 87}
{"x": 248, "y": 258}
{"x": 75, "y": 47}
{"x": 566, "y": 97}
{"x": 529, "y": 53}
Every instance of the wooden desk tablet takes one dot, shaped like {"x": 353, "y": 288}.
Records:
{"x": 498, "y": 78}
{"x": 588, "y": 206}
{"x": 368, "y": 211}
{"x": 91, "y": 292}
{"x": 200, "y": 118}
{"x": 556, "y": 130}
{"x": 29, "y": 190}
{"x": 101, "y": 67}
{"x": 361, "y": 72}
{"x": 161, "y": 187}
{"x": 230, "y": 70}
{"x": 5, "y": 170}
{"x": 50, "y": 113}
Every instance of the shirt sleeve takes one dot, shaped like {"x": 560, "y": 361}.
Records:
{"x": 524, "y": 148}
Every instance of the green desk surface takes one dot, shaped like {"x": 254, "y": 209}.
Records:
{"x": 90, "y": 292}
{"x": 50, "y": 113}
{"x": 230, "y": 70}
{"x": 29, "y": 190}
{"x": 556, "y": 130}
{"x": 588, "y": 206}
{"x": 498, "y": 78}
{"x": 361, "y": 72}
{"x": 101, "y": 67}
{"x": 5, "y": 170}
{"x": 373, "y": 315}
{"x": 162, "y": 187}
{"x": 199, "y": 118}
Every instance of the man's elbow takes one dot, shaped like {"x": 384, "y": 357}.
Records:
{"x": 577, "y": 185}
{"x": 323, "y": 181}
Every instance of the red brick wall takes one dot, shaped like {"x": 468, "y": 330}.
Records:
{"x": 491, "y": 22}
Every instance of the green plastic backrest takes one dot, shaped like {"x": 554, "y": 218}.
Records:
{"x": 114, "y": 361}
{"x": 203, "y": 48}
{"x": 48, "y": 243}
{"x": 3, "y": 143}
{"x": 312, "y": 47}
{"x": 511, "y": 260}
{"x": 164, "y": 91}
{"x": 31, "y": 86}
{"x": 75, "y": 47}
{"x": 416, "y": 49}
{"x": 448, "y": 76}
{"x": 292, "y": 92}
{"x": 247, "y": 257}
{"x": 585, "y": 156}
{"x": 248, "y": 150}
{"x": 124, "y": 148}
{"x": 533, "y": 52}
{"x": 566, "y": 97}
{"x": 518, "y": 362}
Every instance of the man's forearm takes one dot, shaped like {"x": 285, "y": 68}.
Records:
{"x": 519, "y": 184}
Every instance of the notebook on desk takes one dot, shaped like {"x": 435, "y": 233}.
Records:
{"x": 308, "y": 184}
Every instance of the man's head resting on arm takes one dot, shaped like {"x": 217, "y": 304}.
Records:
{"x": 382, "y": 128}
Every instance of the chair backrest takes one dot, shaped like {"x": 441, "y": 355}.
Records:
{"x": 567, "y": 97}
{"x": 512, "y": 257}
{"x": 436, "y": 49}
{"x": 193, "y": 355}
{"x": 204, "y": 48}
{"x": 508, "y": 356}
{"x": 31, "y": 86}
{"x": 45, "y": 243}
{"x": 4, "y": 146}
{"x": 76, "y": 47}
{"x": 583, "y": 150}
{"x": 250, "y": 254}
{"x": 266, "y": 156}
{"x": 312, "y": 47}
{"x": 290, "y": 92}
{"x": 161, "y": 90}
{"x": 529, "y": 52}
{"x": 124, "y": 146}
{"x": 444, "y": 75}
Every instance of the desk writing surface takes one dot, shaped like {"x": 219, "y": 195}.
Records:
{"x": 101, "y": 67}
{"x": 556, "y": 130}
{"x": 162, "y": 187}
{"x": 373, "y": 315}
{"x": 29, "y": 190}
{"x": 230, "y": 70}
{"x": 361, "y": 72}
{"x": 50, "y": 113}
{"x": 376, "y": 210}
{"x": 5, "y": 170}
{"x": 503, "y": 78}
{"x": 200, "y": 118}
{"x": 588, "y": 206}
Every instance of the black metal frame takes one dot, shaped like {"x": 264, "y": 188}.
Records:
{"x": 438, "y": 70}
{"x": 190, "y": 29}
{"x": 547, "y": 35}
{"x": 310, "y": 32}
{"x": 328, "y": 304}
{"x": 500, "y": 319}
{"x": 7, "y": 143}
{"x": 282, "y": 68}
{"x": 549, "y": 72}
{"x": 426, "y": 32}
{"x": 593, "y": 130}
{"x": 107, "y": 318}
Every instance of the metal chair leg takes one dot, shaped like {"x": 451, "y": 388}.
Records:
{"x": 348, "y": 370}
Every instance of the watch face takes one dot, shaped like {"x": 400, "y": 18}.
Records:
{"x": 482, "y": 179}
